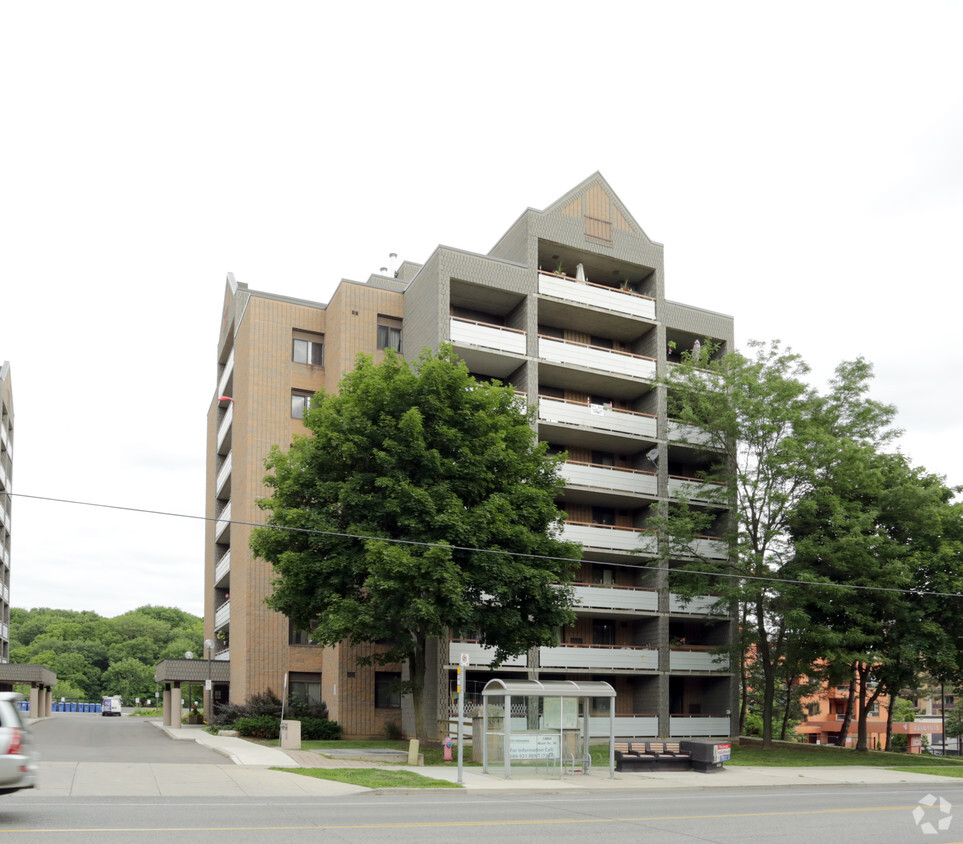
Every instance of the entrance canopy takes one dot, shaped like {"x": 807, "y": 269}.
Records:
{"x": 548, "y": 731}
{"x": 35, "y": 676}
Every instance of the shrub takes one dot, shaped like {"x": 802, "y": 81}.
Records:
{"x": 320, "y": 729}
{"x": 259, "y": 726}
{"x": 268, "y": 703}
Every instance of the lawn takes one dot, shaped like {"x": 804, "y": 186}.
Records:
{"x": 371, "y": 777}
{"x": 434, "y": 754}
{"x": 811, "y": 754}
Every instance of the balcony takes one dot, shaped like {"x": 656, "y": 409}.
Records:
{"x": 223, "y": 567}
{"x": 600, "y": 418}
{"x": 226, "y": 375}
{"x": 606, "y": 538}
{"x": 709, "y": 547}
{"x": 618, "y": 301}
{"x": 5, "y": 439}
{"x": 596, "y": 358}
{"x": 224, "y": 478}
{"x": 223, "y": 523}
{"x": 630, "y": 598}
{"x": 699, "y": 605}
{"x": 683, "y": 726}
{"x": 479, "y": 655}
{"x": 688, "y": 435}
{"x": 5, "y": 593}
{"x": 699, "y": 491}
{"x": 626, "y": 726}
{"x": 599, "y": 657}
{"x": 4, "y": 479}
{"x": 697, "y": 659}
{"x": 223, "y": 655}
{"x": 609, "y": 479}
{"x": 224, "y": 429}
{"x": 468, "y": 332}
{"x": 222, "y": 615}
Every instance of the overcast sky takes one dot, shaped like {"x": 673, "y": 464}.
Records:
{"x": 802, "y": 164}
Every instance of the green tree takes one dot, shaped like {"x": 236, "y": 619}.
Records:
{"x": 953, "y": 724}
{"x": 410, "y": 468}
{"x": 129, "y": 678}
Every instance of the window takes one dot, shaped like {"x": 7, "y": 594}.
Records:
{"x": 387, "y": 690}
{"x": 389, "y": 333}
{"x": 603, "y": 515}
{"x": 308, "y": 349}
{"x": 300, "y": 637}
{"x": 603, "y": 632}
{"x": 300, "y": 402}
{"x": 305, "y": 686}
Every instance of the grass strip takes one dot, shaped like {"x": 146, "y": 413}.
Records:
{"x": 934, "y": 770}
{"x": 371, "y": 777}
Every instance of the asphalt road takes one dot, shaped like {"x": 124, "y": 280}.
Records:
{"x": 71, "y": 737}
{"x": 856, "y": 815}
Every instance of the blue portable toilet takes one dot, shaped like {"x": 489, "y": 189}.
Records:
{"x": 85, "y": 707}
{"x": 97, "y": 707}
{"x": 73, "y": 707}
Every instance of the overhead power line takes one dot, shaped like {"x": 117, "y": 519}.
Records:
{"x": 728, "y": 575}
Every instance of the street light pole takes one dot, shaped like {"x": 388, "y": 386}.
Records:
{"x": 209, "y": 689}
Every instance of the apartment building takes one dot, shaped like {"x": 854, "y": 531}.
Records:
{"x": 6, "y": 485}
{"x": 568, "y": 307}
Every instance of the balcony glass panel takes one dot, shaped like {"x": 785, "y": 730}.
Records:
{"x": 697, "y": 490}
{"x": 479, "y": 654}
{"x": 688, "y": 434}
{"x": 609, "y": 478}
{"x": 697, "y": 660}
{"x": 223, "y": 520}
{"x": 713, "y": 549}
{"x": 615, "y": 597}
{"x": 609, "y": 537}
{"x": 598, "y": 416}
{"x": 598, "y": 656}
{"x": 596, "y": 295}
{"x": 224, "y": 473}
{"x": 225, "y": 426}
{"x": 224, "y": 655}
{"x": 637, "y": 726}
{"x": 222, "y": 382}
{"x": 223, "y": 567}
{"x": 471, "y": 333}
{"x": 681, "y": 726}
{"x": 593, "y": 357}
{"x": 222, "y": 615}
{"x": 699, "y": 605}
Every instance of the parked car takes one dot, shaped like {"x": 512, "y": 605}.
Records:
{"x": 18, "y": 759}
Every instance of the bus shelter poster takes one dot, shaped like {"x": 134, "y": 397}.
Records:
{"x": 560, "y": 713}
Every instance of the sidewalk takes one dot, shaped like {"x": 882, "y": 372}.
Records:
{"x": 246, "y": 753}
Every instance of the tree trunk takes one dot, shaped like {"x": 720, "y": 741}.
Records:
{"x": 848, "y": 717}
{"x": 889, "y": 722}
{"x": 744, "y": 674}
{"x": 862, "y": 673}
{"x": 768, "y": 675}
{"x": 426, "y": 723}
{"x": 785, "y": 714}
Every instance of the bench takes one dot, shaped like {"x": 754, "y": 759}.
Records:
{"x": 651, "y": 756}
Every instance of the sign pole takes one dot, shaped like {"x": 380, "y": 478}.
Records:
{"x": 461, "y": 714}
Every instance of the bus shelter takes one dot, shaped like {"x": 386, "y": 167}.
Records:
{"x": 533, "y": 722}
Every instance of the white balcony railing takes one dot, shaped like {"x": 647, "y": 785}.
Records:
{"x": 223, "y": 520}
{"x": 4, "y": 479}
{"x": 480, "y": 655}
{"x": 223, "y": 655}
{"x": 5, "y": 439}
{"x": 4, "y": 631}
{"x": 697, "y": 490}
{"x": 598, "y": 656}
{"x": 615, "y": 598}
{"x": 599, "y": 417}
{"x": 223, "y": 473}
{"x": 681, "y": 726}
{"x": 5, "y": 592}
{"x": 222, "y": 615}
{"x": 223, "y": 567}
{"x": 626, "y": 726}
{"x": 693, "y": 660}
{"x": 225, "y": 426}
{"x": 610, "y": 537}
{"x": 609, "y": 478}
{"x": 468, "y": 332}
{"x": 713, "y": 549}
{"x": 699, "y": 605}
{"x": 595, "y": 357}
{"x": 226, "y": 375}
{"x": 596, "y": 295}
{"x": 688, "y": 434}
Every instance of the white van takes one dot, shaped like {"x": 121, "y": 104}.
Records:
{"x": 111, "y": 706}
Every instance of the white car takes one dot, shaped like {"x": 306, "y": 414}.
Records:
{"x": 18, "y": 759}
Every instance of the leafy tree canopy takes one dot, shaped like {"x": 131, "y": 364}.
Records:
{"x": 424, "y": 454}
